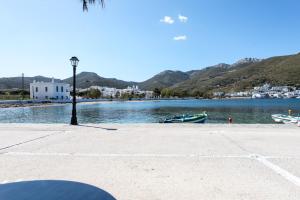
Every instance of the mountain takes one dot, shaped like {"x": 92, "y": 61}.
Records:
{"x": 16, "y": 82}
{"x": 87, "y": 79}
{"x": 84, "y": 80}
{"x": 280, "y": 70}
{"x": 242, "y": 75}
{"x": 246, "y": 61}
{"x": 164, "y": 79}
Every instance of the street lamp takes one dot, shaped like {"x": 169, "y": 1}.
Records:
{"x": 74, "y": 63}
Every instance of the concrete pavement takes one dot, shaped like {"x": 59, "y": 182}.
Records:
{"x": 156, "y": 161}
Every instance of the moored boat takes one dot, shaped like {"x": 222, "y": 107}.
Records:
{"x": 287, "y": 119}
{"x": 195, "y": 118}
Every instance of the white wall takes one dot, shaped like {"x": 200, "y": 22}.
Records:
{"x": 51, "y": 93}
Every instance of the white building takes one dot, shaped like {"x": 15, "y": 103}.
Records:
{"x": 108, "y": 92}
{"x": 266, "y": 87}
{"x": 131, "y": 90}
{"x": 49, "y": 90}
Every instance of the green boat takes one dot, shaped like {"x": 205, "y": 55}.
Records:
{"x": 196, "y": 118}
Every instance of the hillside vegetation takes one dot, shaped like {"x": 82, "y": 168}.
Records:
{"x": 87, "y": 79}
{"x": 164, "y": 79}
{"x": 242, "y": 75}
{"x": 282, "y": 70}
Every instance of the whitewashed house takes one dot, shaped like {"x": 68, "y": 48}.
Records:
{"x": 106, "y": 91}
{"x": 49, "y": 90}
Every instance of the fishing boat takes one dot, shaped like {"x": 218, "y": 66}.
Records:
{"x": 195, "y": 118}
{"x": 287, "y": 119}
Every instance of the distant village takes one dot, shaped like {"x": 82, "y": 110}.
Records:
{"x": 53, "y": 90}
{"x": 62, "y": 91}
{"x": 265, "y": 91}
{"x": 129, "y": 92}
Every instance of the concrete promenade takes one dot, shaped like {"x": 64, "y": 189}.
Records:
{"x": 156, "y": 161}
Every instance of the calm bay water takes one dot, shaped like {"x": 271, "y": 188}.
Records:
{"x": 242, "y": 111}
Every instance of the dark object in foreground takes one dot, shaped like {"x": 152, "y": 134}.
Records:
{"x": 196, "y": 118}
{"x": 52, "y": 190}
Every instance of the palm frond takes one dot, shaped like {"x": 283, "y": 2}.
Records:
{"x": 86, "y": 2}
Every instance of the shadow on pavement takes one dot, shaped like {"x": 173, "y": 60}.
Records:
{"x": 52, "y": 190}
{"x": 108, "y": 129}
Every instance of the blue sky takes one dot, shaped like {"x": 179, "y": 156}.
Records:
{"x": 129, "y": 39}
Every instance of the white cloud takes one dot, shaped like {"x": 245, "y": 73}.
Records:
{"x": 180, "y": 38}
{"x": 182, "y": 18}
{"x": 167, "y": 20}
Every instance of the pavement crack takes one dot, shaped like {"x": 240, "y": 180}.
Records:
{"x": 27, "y": 141}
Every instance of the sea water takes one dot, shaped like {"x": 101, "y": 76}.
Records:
{"x": 246, "y": 111}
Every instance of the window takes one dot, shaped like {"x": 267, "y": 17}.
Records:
{"x": 36, "y": 89}
{"x": 67, "y": 97}
{"x": 57, "y": 96}
{"x": 62, "y": 97}
{"x": 46, "y": 89}
{"x": 62, "y": 89}
{"x": 57, "y": 89}
{"x": 46, "y": 97}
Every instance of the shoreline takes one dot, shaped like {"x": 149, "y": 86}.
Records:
{"x": 154, "y": 125}
{"x": 29, "y": 103}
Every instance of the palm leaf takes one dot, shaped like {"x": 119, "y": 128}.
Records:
{"x": 86, "y": 2}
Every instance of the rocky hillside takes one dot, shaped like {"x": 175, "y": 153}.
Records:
{"x": 16, "y": 82}
{"x": 84, "y": 80}
{"x": 164, "y": 79}
{"x": 242, "y": 75}
{"x": 281, "y": 70}
{"x": 87, "y": 79}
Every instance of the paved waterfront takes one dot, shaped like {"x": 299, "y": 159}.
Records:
{"x": 155, "y": 161}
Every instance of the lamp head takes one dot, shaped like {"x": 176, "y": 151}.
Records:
{"x": 74, "y": 61}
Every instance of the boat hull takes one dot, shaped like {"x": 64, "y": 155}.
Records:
{"x": 287, "y": 119}
{"x": 200, "y": 118}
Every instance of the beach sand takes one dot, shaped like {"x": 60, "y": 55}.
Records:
{"x": 158, "y": 161}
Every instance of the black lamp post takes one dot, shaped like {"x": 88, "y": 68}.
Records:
{"x": 74, "y": 63}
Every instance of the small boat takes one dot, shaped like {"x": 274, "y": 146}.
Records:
{"x": 196, "y": 118}
{"x": 287, "y": 119}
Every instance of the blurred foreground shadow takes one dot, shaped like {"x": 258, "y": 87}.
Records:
{"x": 52, "y": 190}
{"x": 108, "y": 129}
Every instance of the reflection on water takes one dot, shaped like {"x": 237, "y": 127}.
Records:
{"x": 242, "y": 111}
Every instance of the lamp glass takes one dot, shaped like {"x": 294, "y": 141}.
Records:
{"x": 74, "y": 61}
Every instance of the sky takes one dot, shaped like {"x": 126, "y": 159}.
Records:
{"x": 133, "y": 40}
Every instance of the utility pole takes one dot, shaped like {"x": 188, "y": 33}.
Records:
{"x": 23, "y": 81}
{"x": 23, "y": 88}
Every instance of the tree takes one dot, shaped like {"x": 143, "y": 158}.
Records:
{"x": 118, "y": 95}
{"x": 85, "y": 3}
{"x": 197, "y": 93}
{"x": 91, "y": 93}
{"x": 126, "y": 96}
{"x": 156, "y": 92}
{"x": 94, "y": 94}
{"x": 166, "y": 92}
